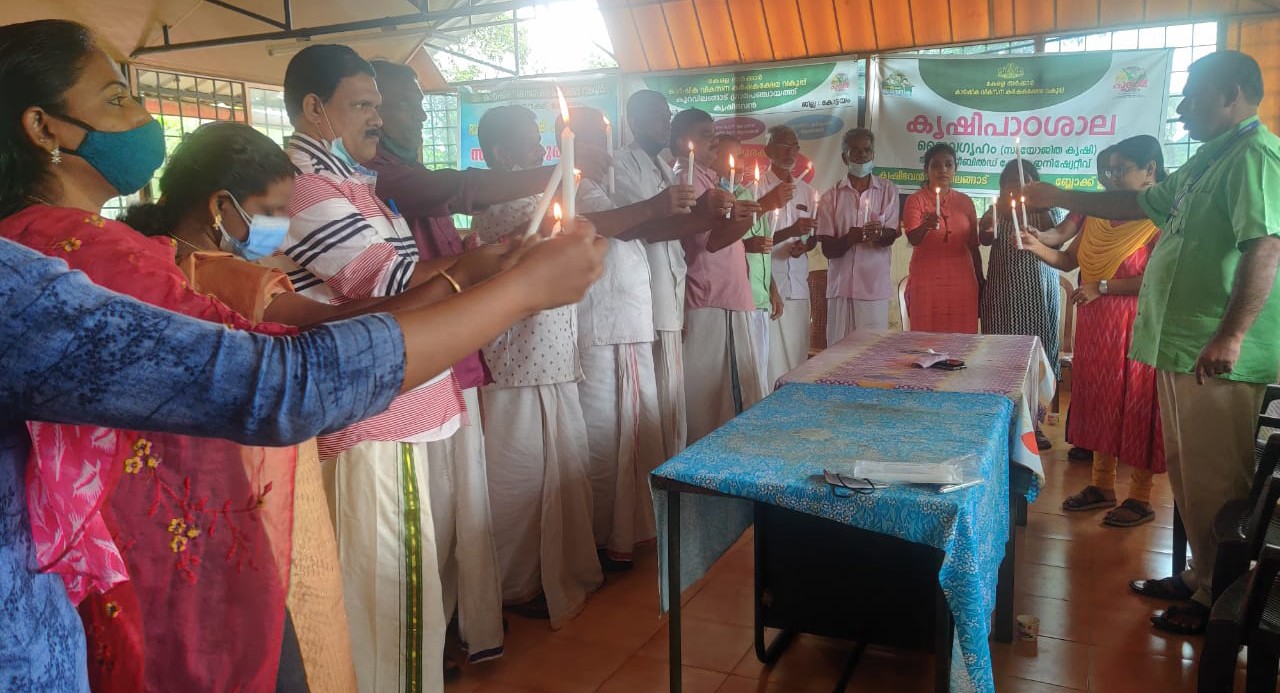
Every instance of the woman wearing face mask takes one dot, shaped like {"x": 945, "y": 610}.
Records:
{"x": 1114, "y": 410}
{"x": 1022, "y": 294}
{"x": 199, "y": 592}
{"x": 946, "y": 269}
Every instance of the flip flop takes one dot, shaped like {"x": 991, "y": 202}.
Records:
{"x": 1042, "y": 441}
{"x": 1131, "y": 513}
{"x": 1079, "y": 454}
{"x": 1171, "y": 589}
{"x": 1195, "y": 613}
{"x": 1091, "y": 498}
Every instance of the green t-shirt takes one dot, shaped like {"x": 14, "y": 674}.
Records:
{"x": 759, "y": 265}
{"x": 1230, "y": 195}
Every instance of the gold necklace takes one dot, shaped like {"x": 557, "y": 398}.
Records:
{"x": 189, "y": 244}
{"x": 39, "y": 200}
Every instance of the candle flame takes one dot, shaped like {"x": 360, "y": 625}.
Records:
{"x": 757, "y": 171}
{"x": 938, "y": 190}
{"x": 577, "y": 175}
{"x": 556, "y": 212}
{"x": 607, "y": 124}
{"x": 690, "y": 146}
{"x": 564, "y": 106}
{"x": 731, "y": 164}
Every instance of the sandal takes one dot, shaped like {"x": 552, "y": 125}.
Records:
{"x": 1078, "y": 454}
{"x": 1042, "y": 441}
{"x": 1131, "y": 513}
{"x": 1091, "y": 498}
{"x": 1171, "y": 589}
{"x": 1183, "y": 619}
{"x": 610, "y": 565}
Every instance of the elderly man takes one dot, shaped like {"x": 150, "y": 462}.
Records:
{"x": 1208, "y": 316}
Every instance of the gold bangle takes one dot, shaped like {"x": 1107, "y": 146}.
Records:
{"x": 456, "y": 289}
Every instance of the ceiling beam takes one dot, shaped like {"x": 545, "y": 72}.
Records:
{"x": 283, "y": 26}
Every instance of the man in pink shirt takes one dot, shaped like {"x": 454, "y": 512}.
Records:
{"x": 719, "y": 361}
{"x": 857, "y": 225}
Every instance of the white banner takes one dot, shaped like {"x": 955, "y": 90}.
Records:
{"x": 1065, "y": 108}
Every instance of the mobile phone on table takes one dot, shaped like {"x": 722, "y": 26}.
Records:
{"x": 949, "y": 365}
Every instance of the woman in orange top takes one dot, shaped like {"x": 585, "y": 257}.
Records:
{"x": 946, "y": 269}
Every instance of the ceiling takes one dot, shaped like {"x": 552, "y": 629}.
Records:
{"x": 648, "y": 35}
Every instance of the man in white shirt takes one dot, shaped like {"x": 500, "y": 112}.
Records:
{"x": 639, "y": 174}
{"x": 857, "y": 225}
{"x": 793, "y": 238}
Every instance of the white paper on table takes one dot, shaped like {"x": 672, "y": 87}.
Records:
{"x": 928, "y": 358}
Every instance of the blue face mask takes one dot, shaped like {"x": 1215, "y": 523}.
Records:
{"x": 336, "y": 145}
{"x": 266, "y": 235}
{"x": 861, "y": 170}
{"x": 128, "y": 159}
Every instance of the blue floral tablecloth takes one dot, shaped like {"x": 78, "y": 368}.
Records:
{"x": 776, "y": 451}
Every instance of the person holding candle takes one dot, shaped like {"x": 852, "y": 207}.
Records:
{"x": 536, "y": 443}
{"x": 758, "y": 244}
{"x": 1022, "y": 295}
{"x": 946, "y": 269}
{"x": 720, "y": 363}
{"x": 793, "y": 237}
{"x": 857, "y": 225}
{"x": 1114, "y": 409}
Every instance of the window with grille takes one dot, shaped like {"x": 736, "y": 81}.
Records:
{"x": 440, "y": 131}
{"x": 267, "y": 113}
{"x": 1189, "y": 42}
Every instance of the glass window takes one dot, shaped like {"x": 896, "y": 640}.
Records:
{"x": 440, "y": 131}
{"x": 267, "y": 113}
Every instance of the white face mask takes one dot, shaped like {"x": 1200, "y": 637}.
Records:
{"x": 861, "y": 170}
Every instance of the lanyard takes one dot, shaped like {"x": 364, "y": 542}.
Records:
{"x": 1190, "y": 184}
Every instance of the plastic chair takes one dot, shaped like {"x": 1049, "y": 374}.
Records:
{"x": 903, "y": 320}
{"x": 1066, "y": 334}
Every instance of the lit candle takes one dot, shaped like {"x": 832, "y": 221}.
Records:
{"x": 733, "y": 177}
{"x": 559, "y": 215}
{"x": 756, "y": 191}
{"x": 1022, "y": 202}
{"x": 569, "y": 191}
{"x": 937, "y": 202}
{"x": 1017, "y": 233}
{"x": 866, "y": 212}
{"x": 1017, "y": 228}
{"x": 544, "y": 202}
{"x": 995, "y": 217}
{"x": 1022, "y": 178}
{"x": 689, "y": 177}
{"x": 608, "y": 149}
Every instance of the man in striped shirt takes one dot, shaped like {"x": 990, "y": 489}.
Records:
{"x": 345, "y": 245}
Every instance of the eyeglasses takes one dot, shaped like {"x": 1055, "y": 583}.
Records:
{"x": 847, "y": 486}
{"x": 1117, "y": 173}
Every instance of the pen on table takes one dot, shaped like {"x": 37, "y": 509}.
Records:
{"x": 957, "y": 487}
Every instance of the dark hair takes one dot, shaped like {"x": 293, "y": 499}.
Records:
{"x": 1010, "y": 172}
{"x": 318, "y": 70}
{"x": 39, "y": 62}
{"x": 1104, "y": 158}
{"x": 846, "y": 142}
{"x": 384, "y": 70}
{"x": 682, "y": 123}
{"x": 935, "y": 150}
{"x": 1142, "y": 150}
{"x": 636, "y": 101}
{"x": 578, "y": 115}
{"x": 498, "y": 124}
{"x": 216, "y": 156}
{"x": 723, "y": 137}
{"x": 1230, "y": 69}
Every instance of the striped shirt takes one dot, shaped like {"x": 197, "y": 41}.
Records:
{"x": 345, "y": 244}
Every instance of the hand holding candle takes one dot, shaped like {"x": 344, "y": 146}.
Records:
{"x": 569, "y": 190}
{"x": 545, "y": 202}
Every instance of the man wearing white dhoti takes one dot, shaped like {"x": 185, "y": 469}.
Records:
{"x": 793, "y": 238}
{"x": 536, "y": 438}
{"x": 720, "y": 362}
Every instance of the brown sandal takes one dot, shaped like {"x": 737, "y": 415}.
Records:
{"x": 1131, "y": 513}
{"x": 1091, "y": 498}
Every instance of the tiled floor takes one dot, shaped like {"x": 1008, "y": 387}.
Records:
{"x": 1072, "y": 573}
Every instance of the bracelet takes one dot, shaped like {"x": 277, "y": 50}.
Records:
{"x": 456, "y": 289}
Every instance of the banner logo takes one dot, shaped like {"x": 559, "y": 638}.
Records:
{"x": 1011, "y": 71}
{"x": 1131, "y": 81}
{"x": 897, "y": 84}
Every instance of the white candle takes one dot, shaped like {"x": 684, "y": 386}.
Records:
{"x": 569, "y": 190}
{"x": 1022, "y": 178}
{"x": 733, "y": 177}
{"x": 608, "y": 149}
{"x": 937, "y": 202}
{"x": 866, "y": 212}
{"x": 1022, "y": 202}
{"x": 1017, "y": 228}
{"x": 995, "y": 217}
{"x": 1017, "y": 232}
{"x": 689, "y": 176}
{"x": 544, "y": 203}
{"x": 756, "y": 192}
{"x": 559, "y": 215}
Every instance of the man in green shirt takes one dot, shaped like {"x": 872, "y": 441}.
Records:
{"x": 758, "y": 244}
{"x": 1208, "y": 313}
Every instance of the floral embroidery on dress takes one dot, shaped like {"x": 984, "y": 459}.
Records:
{"x": 141, "y": 457}
{"x": 95, "y": 220}
{"x": 69, "y": 244}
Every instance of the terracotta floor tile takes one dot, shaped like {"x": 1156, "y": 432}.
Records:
{"x": 558, "y": 665}
{"x": 738, "y": 684}
{"x": 1047, "y": 660}
{"x": 1064, "y": 553}
{"x": 626, "y": 626}
{"x": 647, "y": 675}
{"x": 1115, "y": 671}
{"x": 705, "y": 644}
{"x": 887, "y": 671}
{"x": 1052, "y": 582}
{"x": 498, "y": 687}
{"x": 1013, "y": 684}
{"x": 1058, "y": 618}
{"x": 1127, "y": 627}
{"x": 810, "y": 663}
{"x": 726, "y": 600}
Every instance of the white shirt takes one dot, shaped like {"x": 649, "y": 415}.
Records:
{"x": 638, "y": 177}
{"x": 790, "y": 274}
{"x": 541, "y": 349}
{"x": 618, "y": 307}
{"x": 865, "y": 272}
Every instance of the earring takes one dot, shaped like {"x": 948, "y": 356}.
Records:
{"x": 217, "y": 221}
{"x": 55, "y": 155}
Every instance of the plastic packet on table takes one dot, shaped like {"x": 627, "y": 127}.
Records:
{"x": 957, "y": 470}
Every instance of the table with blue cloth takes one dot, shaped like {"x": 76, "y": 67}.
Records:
{"x": 775, "y": 453}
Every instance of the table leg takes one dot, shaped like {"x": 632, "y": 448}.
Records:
{"x": 1003, "y": 629}
{"x": 767, "y": 653}
{"x": 944, "y": 633}
{"x": 673, "y": 589}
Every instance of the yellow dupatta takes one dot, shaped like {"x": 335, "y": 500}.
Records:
{"x": 1104, "y": 248}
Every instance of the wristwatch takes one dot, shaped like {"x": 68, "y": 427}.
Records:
{"x": 1102, "y": 287}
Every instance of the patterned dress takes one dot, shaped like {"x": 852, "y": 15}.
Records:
{"x": 942, "y": 292}
{"x": 1114, "y": 407}
{"x": 1022, "y": 295}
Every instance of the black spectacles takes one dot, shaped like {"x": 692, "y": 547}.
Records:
{"x": 846, "y": 486}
